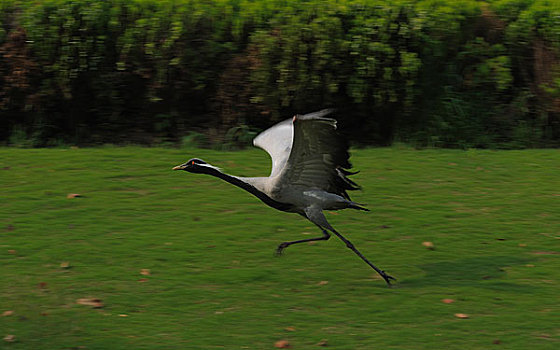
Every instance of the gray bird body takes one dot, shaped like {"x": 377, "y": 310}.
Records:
{"x": 308, "y": 175}
{"x": 301, "y": 198}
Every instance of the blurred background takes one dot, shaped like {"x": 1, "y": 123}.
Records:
{"x": 429, "y": 73}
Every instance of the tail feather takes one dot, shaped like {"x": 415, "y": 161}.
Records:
{"x": 357, "y": 206}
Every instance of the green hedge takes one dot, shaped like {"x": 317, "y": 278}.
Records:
{"x": 428, "y": 72}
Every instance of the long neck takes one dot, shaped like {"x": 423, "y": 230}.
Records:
{"x": 249, "y": 188}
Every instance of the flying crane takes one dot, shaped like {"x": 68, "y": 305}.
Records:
{"x": 310, "y": 170}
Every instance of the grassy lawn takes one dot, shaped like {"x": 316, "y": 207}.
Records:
{"x": 185, "y": 261}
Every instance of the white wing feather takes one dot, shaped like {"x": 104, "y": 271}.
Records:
{"x": 277, "y": 142}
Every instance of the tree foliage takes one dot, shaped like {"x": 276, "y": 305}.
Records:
{"x": 445, "y": 73}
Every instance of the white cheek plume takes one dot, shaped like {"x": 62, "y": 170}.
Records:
{"x": 210, "y": 166}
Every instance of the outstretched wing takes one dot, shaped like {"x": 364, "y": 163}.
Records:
{"x": 319, "y": 156}
{"x": 277, "y": 141}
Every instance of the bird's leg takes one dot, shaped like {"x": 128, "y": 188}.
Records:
{"x": 281, "y": 247}
{"x": 349, "y": 244}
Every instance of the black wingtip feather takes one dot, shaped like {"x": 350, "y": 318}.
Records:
{"x": 346, "y": 182}
{"x": 348, "y": 173}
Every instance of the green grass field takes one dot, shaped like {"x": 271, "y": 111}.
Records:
{"x": 213, "y": 281}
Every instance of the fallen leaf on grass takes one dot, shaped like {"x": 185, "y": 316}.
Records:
{"x": 8, "y": 313}
{"x": 145, "y": 272}
{"x": 73, "y": 195}
{"x": 322, "y": 343}
{"x": 93, "y": 302}
{"x": 462, "y": 316}
{"x": 322, "y": 283}
{"x": 544, "y": 253}
{"x": 448, "y": 301}
{"x": 428, "y": 245}
{"x": 43, "y": 285}
{"x": 282, "y": 344}
{"x": 65, "y": 265}
{"x": 10, "y": 338}
{"x": 123, "y": 315}
{"x": 290, "y": 329}
{"x": 142, "y": 280}
{"x": 496, "y": 341}
{"x": 11, "y": 251}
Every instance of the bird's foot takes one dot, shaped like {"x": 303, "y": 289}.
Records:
{"x": 387, "y": 277}
{"x": 280, "y": 248}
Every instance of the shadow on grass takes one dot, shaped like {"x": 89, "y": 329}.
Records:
{"x": 485, "y": 272}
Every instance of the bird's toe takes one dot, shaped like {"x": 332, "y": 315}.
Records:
{"x": 280, "y": 249}
{"x": 387, "y": 277}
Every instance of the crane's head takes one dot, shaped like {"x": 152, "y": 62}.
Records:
{"x": 196, "y": 165}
